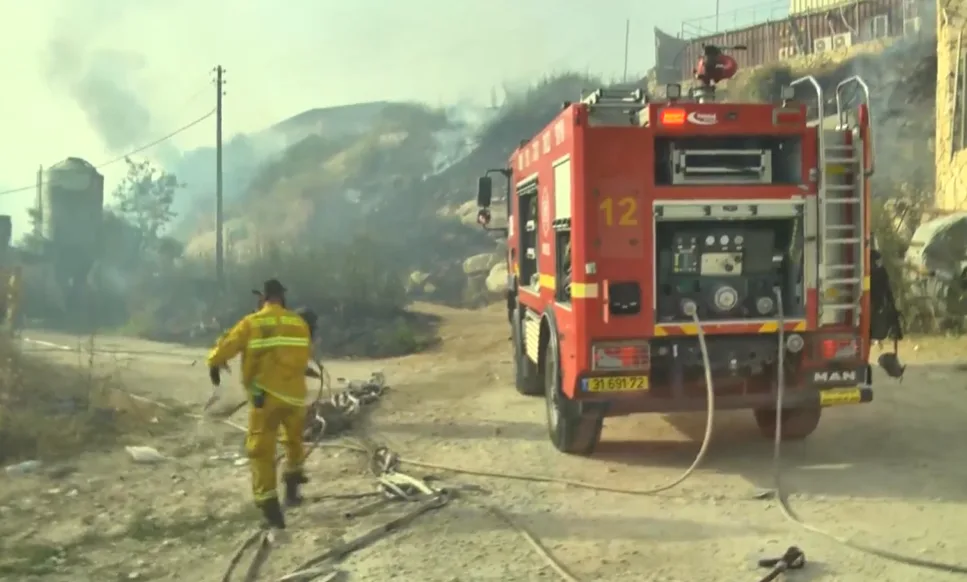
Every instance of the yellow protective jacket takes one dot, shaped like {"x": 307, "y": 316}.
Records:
{"x": 275, "y": 347}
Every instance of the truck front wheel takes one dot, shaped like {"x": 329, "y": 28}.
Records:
{"x": 797, "y": 423}
{"x": 574, "y": 428}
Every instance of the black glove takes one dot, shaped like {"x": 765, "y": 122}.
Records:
{"x": 215, "y": 374}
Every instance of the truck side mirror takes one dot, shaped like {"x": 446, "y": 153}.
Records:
{"x": 484, "y": 187}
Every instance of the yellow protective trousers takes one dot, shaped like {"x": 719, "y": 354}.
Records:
{"x": 264, "y": 425}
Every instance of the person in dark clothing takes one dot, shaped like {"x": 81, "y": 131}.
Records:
{"x": 885, "y": 319}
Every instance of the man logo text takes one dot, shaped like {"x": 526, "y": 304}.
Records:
{"x": 834, "y": 377}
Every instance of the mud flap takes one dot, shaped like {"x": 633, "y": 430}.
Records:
{"x": 527, "y": 378}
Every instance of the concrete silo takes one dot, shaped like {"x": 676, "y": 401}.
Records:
{"x": 71, "y": 216}
{"x": 72, "y": 206}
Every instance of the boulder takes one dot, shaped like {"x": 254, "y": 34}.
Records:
{"x": 497, "y": 279}
{"x": 481, "y": 263}
{"x": 416, "y": 280}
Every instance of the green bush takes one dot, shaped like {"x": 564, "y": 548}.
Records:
{"x": 921, "y": 313}
{"x": 357, "y": 293}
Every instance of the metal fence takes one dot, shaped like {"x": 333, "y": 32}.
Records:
{"x": 734, "y": 19}
{"x": 834, "y": 28}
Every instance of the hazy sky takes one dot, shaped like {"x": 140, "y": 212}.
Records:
{"x": 96, "y": 78}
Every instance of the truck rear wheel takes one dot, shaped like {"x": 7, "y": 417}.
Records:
{"x": 574, "y": 428}
{"x": 797, "y": 423}
{"x": 527, "y": 378}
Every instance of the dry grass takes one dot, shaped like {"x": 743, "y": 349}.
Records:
{"x": 50, "y": 411}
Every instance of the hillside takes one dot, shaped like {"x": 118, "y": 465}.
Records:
{"x": 404, "y": 177}
{"x": 404, "y": 174}
{"x": 901, "y": 75}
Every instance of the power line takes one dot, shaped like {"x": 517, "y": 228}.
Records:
{"x": 128, "y": 154}
{"x": 157, "y": 141}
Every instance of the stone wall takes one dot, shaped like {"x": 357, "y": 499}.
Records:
{"x": 951, "y": 165}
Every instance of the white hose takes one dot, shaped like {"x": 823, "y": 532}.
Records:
{"x": 787, "y": 509}
{"x": 710, "y": 414}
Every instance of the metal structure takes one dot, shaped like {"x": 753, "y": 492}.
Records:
{"x": 10, "y": 278}
{"x": 637, "y": 229}
{"x": 72, "y": 203}
{"x": 71, "y": 213}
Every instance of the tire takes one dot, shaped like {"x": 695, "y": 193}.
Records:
{"x": 797, "y": 423}
{"x": 574, "y": 428}
{"x": 527, "y": 377}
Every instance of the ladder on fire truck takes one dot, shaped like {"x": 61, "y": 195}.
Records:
{"x": 615, "y": 106}
{"x": 842, "y": 176}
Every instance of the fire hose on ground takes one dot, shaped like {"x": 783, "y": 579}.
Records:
{"x": 393, "y": 485}
{"x": 793, "y": 559}
{"x": 783, "y": 497}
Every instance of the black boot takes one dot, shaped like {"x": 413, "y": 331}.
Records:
{"x": 293, "y": 481}
{"x": 272, "y": 512}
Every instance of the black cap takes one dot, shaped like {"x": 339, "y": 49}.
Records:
{"x": 271, "y": 288}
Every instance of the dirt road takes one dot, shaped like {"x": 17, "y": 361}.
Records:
{"x": 890, "y": 472}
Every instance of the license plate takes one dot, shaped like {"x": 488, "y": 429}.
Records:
{"x": 837, "y": 397}
{"x": 617, "y": 384}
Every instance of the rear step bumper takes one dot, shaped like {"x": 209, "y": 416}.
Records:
{"x": 639, "y": 402}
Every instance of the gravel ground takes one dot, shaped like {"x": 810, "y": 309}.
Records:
{"x": 884, "y": 473}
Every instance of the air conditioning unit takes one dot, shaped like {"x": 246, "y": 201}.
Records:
{"x": 822, "y": 44}
{"x": 788, "y": 52}
{"x": 911, "y": 26}
{"x": 842, "y": 40}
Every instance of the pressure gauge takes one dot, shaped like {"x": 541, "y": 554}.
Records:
{"x": 724, "y": 240}
{"x": 710, "y": 240}
{"x": 739, "y": 239}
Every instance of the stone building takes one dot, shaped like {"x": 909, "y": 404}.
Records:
{"x": 951, "y": 116}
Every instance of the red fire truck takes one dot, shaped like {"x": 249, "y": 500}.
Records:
{"x": 627, "y": 216}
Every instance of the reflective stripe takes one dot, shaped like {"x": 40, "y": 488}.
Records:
{"x": 278, "y": 320}
{"x": 290, "y": 400}
{"x": 275, "y": 342}
{"x": 265, "y": 496}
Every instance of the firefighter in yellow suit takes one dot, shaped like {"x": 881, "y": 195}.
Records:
{"x": 275, "y": 346}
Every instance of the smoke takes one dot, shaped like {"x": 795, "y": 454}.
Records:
{"x": 105, "y": 83}
{"x": 902, "y": 81}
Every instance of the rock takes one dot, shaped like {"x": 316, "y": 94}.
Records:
{"x": 497, "y": 279}
{"x": 22, "y": 468}
{"x": 145, "y": 454}
{"x": 418, "y": 278}
{"x": 479, "y": 263}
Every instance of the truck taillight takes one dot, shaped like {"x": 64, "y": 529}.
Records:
{"x": 620, "y": 356}
{"x": 839, "y": 348}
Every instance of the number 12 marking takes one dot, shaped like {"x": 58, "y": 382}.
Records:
{"x": 627, "y": 208}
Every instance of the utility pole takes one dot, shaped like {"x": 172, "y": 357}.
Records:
{"x": 717, "y": 16}
{"x": 219, "y": 210}
{"x": 627, "y": 39}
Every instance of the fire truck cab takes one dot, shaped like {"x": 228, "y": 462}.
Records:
{"x": 626, "y": 216}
